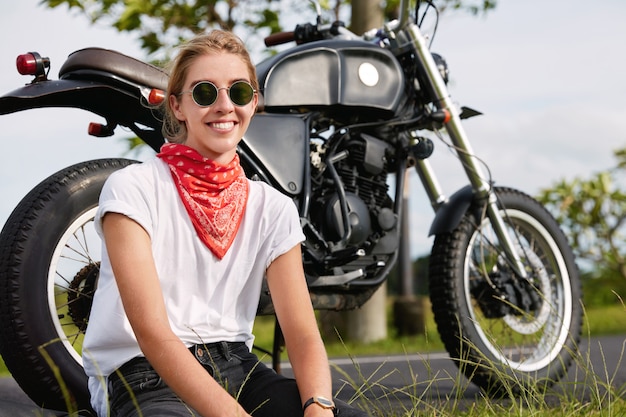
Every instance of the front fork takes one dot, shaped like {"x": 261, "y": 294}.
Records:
{"x": 481, "y": 187}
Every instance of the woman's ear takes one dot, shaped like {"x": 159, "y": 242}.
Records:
{"x": 175, "y": 106}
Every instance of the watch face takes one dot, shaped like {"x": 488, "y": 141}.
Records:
{"x": 324, "y": 402}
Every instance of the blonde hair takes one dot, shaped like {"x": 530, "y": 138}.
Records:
{"x": 213, "y": 42}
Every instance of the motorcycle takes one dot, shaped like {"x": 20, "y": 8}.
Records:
{"x": 339, "y": 116}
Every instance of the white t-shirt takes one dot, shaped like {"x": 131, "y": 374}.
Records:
{"x": 207, "y": 299}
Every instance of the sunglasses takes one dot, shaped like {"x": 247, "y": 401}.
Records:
{"x": 205, "y": 93}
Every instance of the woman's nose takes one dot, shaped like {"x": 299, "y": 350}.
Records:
{"x": 223, "y": 99}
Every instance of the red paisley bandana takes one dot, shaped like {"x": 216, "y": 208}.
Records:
{"x": 214, "y": 195}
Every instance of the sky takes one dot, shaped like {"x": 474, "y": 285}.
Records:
{"x": 548, "y": 77}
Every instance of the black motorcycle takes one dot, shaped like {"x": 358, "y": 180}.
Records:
{"x": 339, "y": 115}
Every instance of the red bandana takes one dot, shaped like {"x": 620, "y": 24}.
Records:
{"x": 214, "y": 195}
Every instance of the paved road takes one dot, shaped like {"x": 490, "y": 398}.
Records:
{"x": 429, "y": 380}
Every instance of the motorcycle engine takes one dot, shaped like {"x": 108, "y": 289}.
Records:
{"x": 358, "y": 218}
{"x": 362, "y": 171}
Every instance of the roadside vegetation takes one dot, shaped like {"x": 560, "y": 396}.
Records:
{"x": 598, "y": 321}
{"x": 596, "y": 394}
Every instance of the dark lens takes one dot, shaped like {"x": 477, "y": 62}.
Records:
{"x": 204, "y": 93}
{"x": 241, "y": 93}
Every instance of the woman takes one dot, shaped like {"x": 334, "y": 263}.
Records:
{"x": 188, "y": 240}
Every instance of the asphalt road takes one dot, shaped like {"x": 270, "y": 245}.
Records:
{"x": 425, "y": 381}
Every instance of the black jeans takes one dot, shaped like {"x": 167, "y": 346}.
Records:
{"x": 261, "y": 391}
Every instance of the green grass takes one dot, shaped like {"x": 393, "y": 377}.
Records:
{"x": 598, "y": 321}
{"x": 605, "y": 320}
{"x": 429, "y": 341}
{"x": 605, "y": 398}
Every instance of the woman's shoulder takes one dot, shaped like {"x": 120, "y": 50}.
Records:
{"x": 267, "y": 192}
{"x": 140, "y": 172}
{"x": 269, "y": 203}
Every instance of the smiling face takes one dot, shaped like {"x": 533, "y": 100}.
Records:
{"x": 214, "y": 131}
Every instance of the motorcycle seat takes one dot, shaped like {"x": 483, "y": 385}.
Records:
{"x": 116, "y": 63}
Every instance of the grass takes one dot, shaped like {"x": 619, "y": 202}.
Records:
{"x": 393, "y": 344}
{"x": 602, "y": 397}
{"x": 596, "y": 394}
{"x": 598, "y": 321}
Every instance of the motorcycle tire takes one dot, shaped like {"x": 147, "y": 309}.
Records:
{"x": 506, "y": 336}
{"x": 49, "y": 254}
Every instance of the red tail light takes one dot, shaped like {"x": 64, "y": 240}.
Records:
{"x": 32, "y": 64}
{"x": 100, "y": 131}
{"x": 156, "y": 97}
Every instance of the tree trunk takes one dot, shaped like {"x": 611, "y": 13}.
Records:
{"x": 366, "y": 15}
{"x": 408, "y": 310}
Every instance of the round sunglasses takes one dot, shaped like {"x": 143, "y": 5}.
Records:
{"x": 205, "y": 93}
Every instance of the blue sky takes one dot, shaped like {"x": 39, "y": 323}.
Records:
{"x": 548, "y": 76}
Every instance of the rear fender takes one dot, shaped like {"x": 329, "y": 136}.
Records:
{"x": 121, "y": 105}
{"x": 83, "y": 94}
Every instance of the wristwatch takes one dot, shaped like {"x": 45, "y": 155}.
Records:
{"x": 321, "y": 401}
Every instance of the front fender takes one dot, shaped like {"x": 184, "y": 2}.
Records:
{"x": 450, "y": 213}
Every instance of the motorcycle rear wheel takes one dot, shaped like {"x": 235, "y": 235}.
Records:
{"x": 48, "y": 271}
{"x": 485, "y": 315}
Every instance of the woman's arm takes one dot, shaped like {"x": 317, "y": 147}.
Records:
{"x": 290, "y": 296}
{"x": 129, "y": 249}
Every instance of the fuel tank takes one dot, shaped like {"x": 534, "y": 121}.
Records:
{"x": 355, "y": 77}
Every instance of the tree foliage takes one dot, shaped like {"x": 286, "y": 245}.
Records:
{"x": 592, "y": 211}
{"x": 161, "y": 24}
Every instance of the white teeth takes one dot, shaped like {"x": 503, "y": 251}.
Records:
{"x": 224, "y": 125}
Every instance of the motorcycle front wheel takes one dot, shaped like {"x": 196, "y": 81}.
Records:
{"x": 49, "y": 266}
{"x": 506, "y": 333}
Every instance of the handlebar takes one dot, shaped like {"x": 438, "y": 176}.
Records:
{"x": 279, "y": 38}
{"x": 310, "y": 32}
